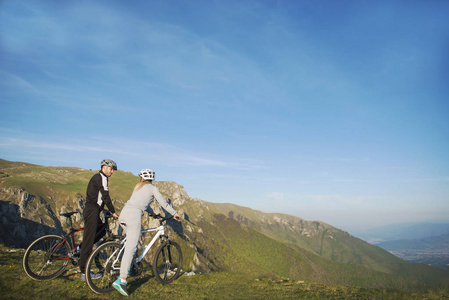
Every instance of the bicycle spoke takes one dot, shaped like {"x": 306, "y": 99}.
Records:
{"x": 167, "y": 262}
{"x": 104, "y": 261}
{"x": 41, "y": 270}
{"x": 46, "y": 258}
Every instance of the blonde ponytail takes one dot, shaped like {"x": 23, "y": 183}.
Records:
{"x": 141, "y": 184}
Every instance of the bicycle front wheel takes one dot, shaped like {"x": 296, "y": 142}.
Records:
{"x": 105, "y": 260}
{"x": 167, "y": 262}
{"x": 46, "y": 258}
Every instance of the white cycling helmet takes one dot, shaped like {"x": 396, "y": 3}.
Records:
{"x": 110, "y": 163}
{"x": 147, "y": 174}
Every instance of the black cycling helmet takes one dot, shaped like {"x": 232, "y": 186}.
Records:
{"x": 109, "y": 162}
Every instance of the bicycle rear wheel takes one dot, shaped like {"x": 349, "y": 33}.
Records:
{"x": 46, "y": 258}
{"x": 167, "y": 262}
{"x": 106, "y": 261}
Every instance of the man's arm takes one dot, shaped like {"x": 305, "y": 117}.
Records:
{"x": 104, "y": 190}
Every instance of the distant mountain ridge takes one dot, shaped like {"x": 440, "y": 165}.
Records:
{"x": 404, "y": 231}
{"x": 440, "y": 242}
{"x": 213, "y": 236}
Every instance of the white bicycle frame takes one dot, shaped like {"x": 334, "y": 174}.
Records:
{"x": 160, "y": 232}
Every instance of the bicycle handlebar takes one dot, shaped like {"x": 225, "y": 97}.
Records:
{"x": 159, "y": 216}
{"x": 107, "y": 214}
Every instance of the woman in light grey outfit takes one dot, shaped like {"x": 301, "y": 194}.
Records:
{"x": 131, "y": 219}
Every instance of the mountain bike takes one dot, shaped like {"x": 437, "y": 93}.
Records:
{"x": 48, "y": 256}
{"x": 106, "y": 260}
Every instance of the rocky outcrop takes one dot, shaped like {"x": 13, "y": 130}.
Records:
{"x": 23, "y": 217}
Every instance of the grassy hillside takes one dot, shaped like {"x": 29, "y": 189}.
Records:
{"x": 237, "y": 248}
{"x": 213, "y": 237}
{"x": 60, "y": 182}
{"x": 323, "y": 239}
{"x": 328, "y": 242}
{"x": 216, "y": 285}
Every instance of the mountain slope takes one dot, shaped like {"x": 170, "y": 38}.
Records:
{"x": 212, "y": 236}
{"x": 327, "y": 241}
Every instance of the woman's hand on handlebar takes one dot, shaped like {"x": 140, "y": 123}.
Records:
{"x": 115, "y": 216}
{"x": 177, "y": 218}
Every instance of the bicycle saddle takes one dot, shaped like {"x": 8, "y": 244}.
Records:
{"x": 69, "y": 214}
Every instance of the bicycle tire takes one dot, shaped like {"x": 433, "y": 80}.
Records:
{"x": 100, "y": 261}
{"x": 167, "y": 262}
{"x": 46, "y": 258}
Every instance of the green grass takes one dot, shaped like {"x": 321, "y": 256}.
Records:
{"x": 15, "y": 284}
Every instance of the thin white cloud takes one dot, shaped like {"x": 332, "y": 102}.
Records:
{"x": 131, "y": 149}
{"x": 433, "y": 179}
{"x": 17, "y": 143}
{"x": 12, "y": 81}
{"x": 348, "y": 180}
{"x": 276, "y": 196}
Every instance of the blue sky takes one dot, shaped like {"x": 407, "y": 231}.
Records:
{"x": 327, "y": 110}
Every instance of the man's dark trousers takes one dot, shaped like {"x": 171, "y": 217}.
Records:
{"x": 94, "y": 230}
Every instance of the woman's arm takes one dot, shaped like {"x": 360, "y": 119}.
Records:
{"x": 164, "y": 204}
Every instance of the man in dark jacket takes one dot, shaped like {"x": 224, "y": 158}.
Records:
{"x": 97, "y": 196}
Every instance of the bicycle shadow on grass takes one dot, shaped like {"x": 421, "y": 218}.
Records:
{"x": 138, "y": 282}
{"x": 71, "y": 274}
{"x": 141, "y": 280}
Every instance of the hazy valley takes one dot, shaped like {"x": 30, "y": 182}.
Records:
{"x": 426, "y": 243}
